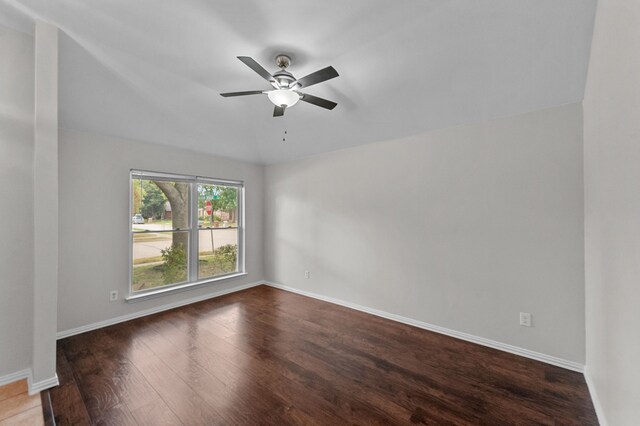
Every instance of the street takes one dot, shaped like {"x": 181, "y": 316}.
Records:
{"x": 150, "y": 244}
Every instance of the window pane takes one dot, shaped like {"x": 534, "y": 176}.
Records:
{"x": 159, "y": 205}
{"x": 218, "y": 245}
{"x": 218, "y": 252}
{"x": 217, "y": 206}
{"x": 159, "y": 259}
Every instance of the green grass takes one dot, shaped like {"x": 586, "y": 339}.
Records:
{"x": 144, "y": 260}
{"x": 151, "y": 236}
{"x": 212, "y": 266}
{"x": 150, "y": 276}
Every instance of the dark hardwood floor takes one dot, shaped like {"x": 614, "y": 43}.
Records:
{"x": 266, "y": 356}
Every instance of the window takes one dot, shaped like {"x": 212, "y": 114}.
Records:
{"x": 185, "y": 230}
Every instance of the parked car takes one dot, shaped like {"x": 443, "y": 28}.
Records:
{"x": 137, "y": 219}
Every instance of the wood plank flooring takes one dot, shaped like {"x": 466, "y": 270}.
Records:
{"x": 17, "y": 407}
{"x": 266, "y": 356}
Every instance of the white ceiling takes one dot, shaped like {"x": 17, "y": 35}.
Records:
{"x": 153, "y": 70}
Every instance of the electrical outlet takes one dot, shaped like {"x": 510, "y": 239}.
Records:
{"x": 525, "y": 319}
{"x": 113, "y": 296}
{"x": 307, "y": 274}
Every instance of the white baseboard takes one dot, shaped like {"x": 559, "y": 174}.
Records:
{"x": 37, "y": 387}
{"x": 34, "y": 388}
{"x": 597, "y": 405}
{"x": 559, "y": 362}
{"x": 138, "y": 314}
{"x": 14, "y": 377}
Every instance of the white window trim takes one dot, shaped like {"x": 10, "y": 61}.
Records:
{"x": 194, "y": 233}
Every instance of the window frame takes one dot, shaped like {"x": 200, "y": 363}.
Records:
{"x": 193, "y": 230}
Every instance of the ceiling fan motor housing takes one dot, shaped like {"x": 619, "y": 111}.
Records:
{"x": 284, "y": 78}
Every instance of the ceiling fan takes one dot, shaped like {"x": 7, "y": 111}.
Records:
{"x": 285, "y": 92}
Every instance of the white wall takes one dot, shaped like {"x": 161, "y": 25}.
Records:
{"x": 16, "y": 202}
{"x": 612, "y": 211}
{"x": 45, "y": 214}
{"x": 462, "y": 228}
{"x": 95, "y": 219}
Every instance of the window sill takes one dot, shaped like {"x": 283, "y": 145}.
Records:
{"x": 137, "y": 297}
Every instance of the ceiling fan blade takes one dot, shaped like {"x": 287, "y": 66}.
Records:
{"x": 257, "y": 68}
{"x": 250, "y": 92}
{"x": 318, "y": 77}
{"x": 317, "y": 101}
{"x": 278, "y": 111}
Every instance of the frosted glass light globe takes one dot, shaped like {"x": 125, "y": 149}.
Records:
{"x": 283, "y": 97}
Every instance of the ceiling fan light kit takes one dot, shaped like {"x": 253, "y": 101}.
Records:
{"x": 283, "y": 97}
{"x": 285, "y": 93}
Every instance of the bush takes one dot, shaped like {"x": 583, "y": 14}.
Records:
{"x": 227, "y": 254}
{"x": 175, "y": 264}
{"x": 223, "y": 261}
{"x": 207, "y": 218}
